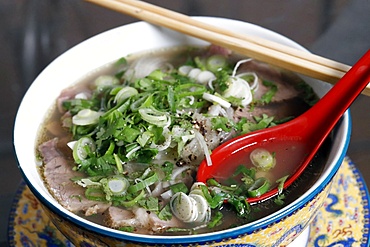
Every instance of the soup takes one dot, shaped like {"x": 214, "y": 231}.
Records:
{"x": 122, "y": 146}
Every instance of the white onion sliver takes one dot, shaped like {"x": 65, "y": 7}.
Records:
{"x": 216, "y": 99}
{"x": 238, "y": 64}
{"x": 239, "y": 88}
{"x": 185, "y": 69}
{"x": 84, "y": 182}
{"x": 210, "y": 84}
{"x": 194, "y": 73}
{"x": 205, "y": 76}
{"x": 204, "y": 146}
{"x": 81, "y": 96}
{"x": 255, "y": 84}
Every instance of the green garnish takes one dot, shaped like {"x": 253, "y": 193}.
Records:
{"x": 267, "y": 97}
{"x": 259, "y": 187}
{"x": 281, "y": 182}
{"x": 129, "y": 121}
{"x": 216, "y": 220}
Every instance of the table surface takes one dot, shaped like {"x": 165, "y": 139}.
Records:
{"x": 33, "y": 32}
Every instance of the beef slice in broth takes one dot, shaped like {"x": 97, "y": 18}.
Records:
{"x": 57, "y": 172}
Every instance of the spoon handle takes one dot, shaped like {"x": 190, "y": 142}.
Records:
{"x": 327, "y": 111}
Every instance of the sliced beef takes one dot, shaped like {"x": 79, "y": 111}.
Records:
{"x": 285, "y": 81}
{"x": 144, "y": 221}
{"x": 70, "y": 93}
{"x": 280, "y": 110}
{"x": 218, "y": 50}
{"x": 57, "y": 172}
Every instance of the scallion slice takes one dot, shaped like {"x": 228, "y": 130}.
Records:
{"x": 86, "y": 117}
{"x": 82, "y": 148}
{"x": 155, "y": 117}
{"x": 216, "y": 62}
{"x": 142, "y": 184}
{"x": 260, "y": 187}
{"x": 124, "y": 94}
{"x": 262, "y": 159}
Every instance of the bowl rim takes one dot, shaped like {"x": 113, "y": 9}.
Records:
{"x": 212, "y": 236}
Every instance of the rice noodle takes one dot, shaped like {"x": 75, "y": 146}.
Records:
{"x": 167, "y": 195}
{"x": 178, "y": 171}
{"x": 157, "y": 189}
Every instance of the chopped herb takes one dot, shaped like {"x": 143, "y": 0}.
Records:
{"x": 279, "y": 200}
{"x": 267, "y": 97}
{"x": 281, "y": 182}
{"x": 179, "y": 187}
{"x": 125, "y": 127}
{"x": 127, "y": 229}
{"x": 216, "y": 220}
{"x": 165, "y": 213}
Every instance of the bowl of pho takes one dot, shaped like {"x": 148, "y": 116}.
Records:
{"x": 110, "y": 135}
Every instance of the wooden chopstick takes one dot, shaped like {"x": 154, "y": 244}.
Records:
{"x": 253, "y": 39}
{"x": 255, "y": 47}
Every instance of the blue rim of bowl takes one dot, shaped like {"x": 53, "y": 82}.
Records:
{"x": 201, "y": 238}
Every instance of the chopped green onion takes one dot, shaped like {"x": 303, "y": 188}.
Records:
{"x": 106, "y": 80}
{"x": 118, "y": 163}
{"x": 260, "y": 187}
{"x": 165, "y": 213}
{"x": 157, "y": 75}
{"x": 82, "y": 148}
{"x": 124, "y": 94}
{"x": 216, "y": 220}
{"x": 216, "y": 62}
{"x": 190, "y": 89}
{"x": 281, "y": 182}
{"x": 131, "y": 203}
{"x": 179, "y": 187}
{"x": 155, "y": 117}
{"x": 143, "y": 183}
{"x": 118, "y": 185}
{"x": 262, "y": 159}
{"x": 95, "y": 194}
{"x": 86, "y": 117}
{"x": 144, "y": 138}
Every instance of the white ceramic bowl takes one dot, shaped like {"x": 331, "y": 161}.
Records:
{"x": 279, "y": 228}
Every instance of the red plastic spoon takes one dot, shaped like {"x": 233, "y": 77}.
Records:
{"x": 295, "y": 142}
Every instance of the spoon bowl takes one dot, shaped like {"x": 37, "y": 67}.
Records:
{"x": 296, "y": 142}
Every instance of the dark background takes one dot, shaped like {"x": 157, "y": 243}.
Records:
{"x": 34, "y": 32}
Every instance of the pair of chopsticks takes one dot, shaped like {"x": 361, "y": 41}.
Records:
{"x": 255, "y": 47}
